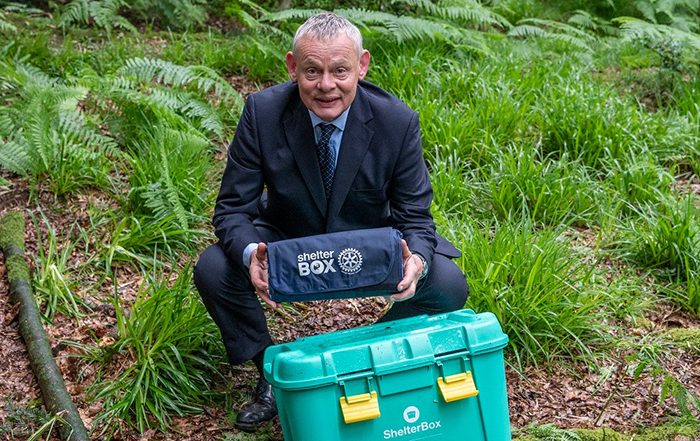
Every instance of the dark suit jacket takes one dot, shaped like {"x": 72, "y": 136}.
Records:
{"x": 380, "y": 180}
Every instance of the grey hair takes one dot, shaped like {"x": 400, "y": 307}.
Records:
{"x": 325, "y": 26}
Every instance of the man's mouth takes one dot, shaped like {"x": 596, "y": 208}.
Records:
{"x": 325, "y": 100}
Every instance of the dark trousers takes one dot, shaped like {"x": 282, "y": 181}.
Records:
{"x": 231, "y": 301}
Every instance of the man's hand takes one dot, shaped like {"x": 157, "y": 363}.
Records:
{"x": 258, "y": 274}
{"x": 412, "y": 269}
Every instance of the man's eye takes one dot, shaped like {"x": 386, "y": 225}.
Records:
{"x": 311, "y": 72}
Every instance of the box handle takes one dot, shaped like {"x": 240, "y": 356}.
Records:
{"x": 360, "y": 407}
{"x": 457, "y": 387}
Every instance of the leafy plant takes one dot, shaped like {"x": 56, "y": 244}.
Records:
{"x": 540, "y": 291}
{"x": 45, "y": 133}
{"x": 52, "y": 282}
{"x": 665, "y": 237}
{"x": 172, "y": 351}
{"x": 104, "y": 14}
{"x": 565, "y": 33}
{"x": 553, "y": 192}
{"x": 169, "y": 178}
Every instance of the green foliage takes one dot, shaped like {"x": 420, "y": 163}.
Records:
{"x": 665, "y": 236}
{"x": 553, "y": 30}
{"x": 53, "y": 285}
{"x": 104, "y": 14}
{"x": 538, "y": 288}
{"x": 648, "y": 360}
{"x": 172, "y": 350}
{"x": 153, "y": 91}
{"x": 45, "y": 133}
{"x": 169, "y": 178}
{"x": 518, "y": 181}
{"x": 458, "y": 22}
{"x": 109, "y": 14}
{"x": 550, "y": 432}
{"x": 176, "y": 14}
{"x": 21, "y": 422}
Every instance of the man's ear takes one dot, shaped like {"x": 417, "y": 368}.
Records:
{"x": 364, "y": 63}
{"x": 291, "y": 66}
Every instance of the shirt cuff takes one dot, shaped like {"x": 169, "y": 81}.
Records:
{"x": 249, "y": 249}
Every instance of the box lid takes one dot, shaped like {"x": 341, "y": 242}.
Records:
{"x": 381, "y": 349}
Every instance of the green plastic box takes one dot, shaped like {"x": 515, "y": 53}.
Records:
{"x": 440, "y": 377}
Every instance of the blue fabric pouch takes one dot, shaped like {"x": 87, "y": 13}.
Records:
{"x": 358, "y": 263}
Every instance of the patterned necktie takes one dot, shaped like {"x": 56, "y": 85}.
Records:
{"x": 326, "y": 156}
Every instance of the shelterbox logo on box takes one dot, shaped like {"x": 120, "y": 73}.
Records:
{"x": 321, "y": 262}
{"x": 411, "y": 414}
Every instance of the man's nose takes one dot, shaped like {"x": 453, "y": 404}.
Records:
{"x": 327, "y": 81}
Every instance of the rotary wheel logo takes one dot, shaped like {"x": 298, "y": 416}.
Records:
{"x": 350, "y": 261}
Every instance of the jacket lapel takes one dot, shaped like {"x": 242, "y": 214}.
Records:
{"x": 300, "y": 138}
{"x": 356, "y": 139}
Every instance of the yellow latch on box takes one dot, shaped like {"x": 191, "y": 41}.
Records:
{"x": 457, "y": 387}
{"x": 360, "y": 407}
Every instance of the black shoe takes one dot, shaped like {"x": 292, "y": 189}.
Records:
{"x": 262, "y": 408}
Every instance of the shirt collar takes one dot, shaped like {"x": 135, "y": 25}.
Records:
{"x": 339, "y": 122}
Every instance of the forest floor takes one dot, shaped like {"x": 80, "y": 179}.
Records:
{"x": 568, "y": 395}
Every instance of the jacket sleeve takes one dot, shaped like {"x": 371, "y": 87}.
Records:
{"x": 241, "y": 188}
{"x": 411, "y": 195}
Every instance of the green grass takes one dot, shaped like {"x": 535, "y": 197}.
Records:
{"x": 53, "y": 281}
{"x": 540, "y": 290}
{"x": 171, "y": 349}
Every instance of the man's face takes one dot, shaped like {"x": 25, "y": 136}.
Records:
{"x": 327, "y": 73}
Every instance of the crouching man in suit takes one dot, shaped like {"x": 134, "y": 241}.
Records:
{"x": 321, "y": 153}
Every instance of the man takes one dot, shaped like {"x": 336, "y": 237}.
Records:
{"x": 323, "y": 152}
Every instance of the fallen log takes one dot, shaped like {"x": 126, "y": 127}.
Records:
{"x": 53, "y": 389}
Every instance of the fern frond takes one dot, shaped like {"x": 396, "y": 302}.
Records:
{"x": 164, "y": 72}
{"x": 103, "y": 14}
{"x": 634, "y": 29}
{"x": 6, "y": 26}
{"x": 18, "y": 75}
{"x": 290, "y": 14}
{"x": 469, "y": 11}
{"x": 14, "y": 157}
{"x": 553, "y": 30}
{"x": 106, "y": 15}
{"x": 74, "y": 128}
{"x": 8, "y": 126}
{"x": 207, "y": 116}
{"x": 75, "y": 12}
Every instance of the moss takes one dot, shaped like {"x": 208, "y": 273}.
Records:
{"x": 688, "y": 339}
{"x": 12, "y": 230}
{"x": 601, "y": 434}
{"x": 682, "y": 430}
{"x": 17, "y": 268}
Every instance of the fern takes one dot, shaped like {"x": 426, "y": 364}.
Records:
{"x": 679, "y": 14}
{"x": 103, "y": 14}
{"x": 550, "y": 432}
{"x": 14, "y": 156}
{"x": 399, "y": 28}
{"x": 635, "y": 29}
{"x": 169, "y": 178}
{"x": 461, "y": 11}
{"x": 51, "y": 137}
{"x": 553, "y": 30}
{"x": 6, "y": 26}
{"x": 584, "y": 20}
{"x": 203, "y": 78}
